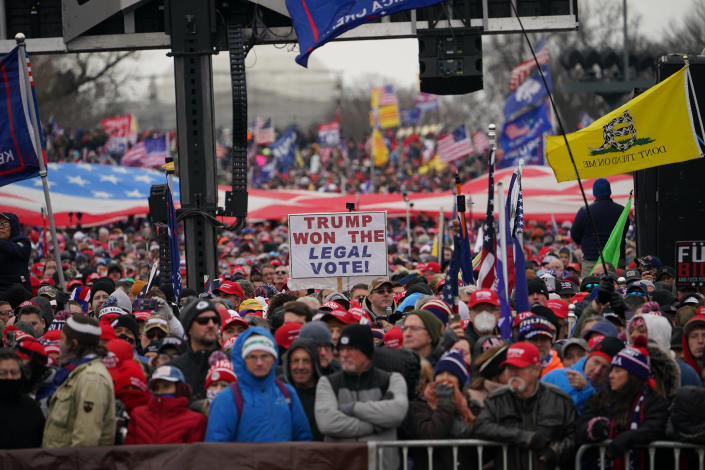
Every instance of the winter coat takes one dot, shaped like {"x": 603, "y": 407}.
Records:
{"x": 423, "y": 422}
{"x": 370, "y": 414}
{"x": 511, "y": 419}
{"x": 82, "y": 410}
{"x": 605, "y": 213}
{"x": 165, "y": 420}
{"x": 651, "y": 429}
{"x": 553, "y": 365}
{"x": 23, "y": 423}
{"x": 306, "y": 395}
{"x": 664, "y": 370}
{"x": 688, "y": 415}
{"x": 194, "y": 365}
{"x": 266, "y": 415}
{"x": 559, "y": 378}
{"x": 14, "y": 256}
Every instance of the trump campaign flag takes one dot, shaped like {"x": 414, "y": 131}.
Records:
{"x": 529, "y": 94}
{"x": 284, "y": 149}
{"x": 655, "y": 128}
{"x": 19, "y": 157}
{"x": 329, "y": 134}
{"x": 522, "y": 137}
{"x": 318, "y": 21}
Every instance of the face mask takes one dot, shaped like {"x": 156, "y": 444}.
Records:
{"x": 10, "y": 389}
{"x": 211, "y": 394}
{"x": 485, "y": 322}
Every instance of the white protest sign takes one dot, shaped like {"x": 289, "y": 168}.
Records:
{"x": 341, "y": 244}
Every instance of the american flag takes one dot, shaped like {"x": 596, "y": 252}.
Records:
{"x": 486, "y": 277}
{"x": 523, "y": 70}
{"x": 515, "y": 224}
{"x": 450, "y": 286}
{"x": 480, "y": 141}
{"x": 329, "y": 134}
{"x": 426, "y": 101}
{"x": 149, "y": 153}
{"x": 264, "y": 131}
{"x": 387, "y": 97}
{"x": 455, "y": 145}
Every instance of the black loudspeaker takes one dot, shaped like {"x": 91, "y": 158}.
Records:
{"x": 450, "y": 61}
{"x": 157, "y": 204}
{"x": 670, "y": 199}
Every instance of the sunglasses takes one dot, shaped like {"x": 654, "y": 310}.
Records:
{"x": 384, "y": 290}
{"x": 205, "y": 320}
{"x": 591, "y": 286}
{"x": 151, "y": 334}
{"x": 281, "y": 272}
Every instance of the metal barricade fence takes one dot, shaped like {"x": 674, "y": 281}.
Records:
{"x": 677, "y": 447}
{"x": 376, "y": 450}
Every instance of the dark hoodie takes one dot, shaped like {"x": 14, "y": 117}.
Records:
{"x": 307, "y": 396}
{"x": 14, "y": 256}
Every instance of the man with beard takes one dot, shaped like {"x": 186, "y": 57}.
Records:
{"x": 528, "y": 414}
{"x": 82, "y": 410}
{"x": 484, "y": 314}
{"x": 17, "y": 407}
{"x": 202, "y": 324}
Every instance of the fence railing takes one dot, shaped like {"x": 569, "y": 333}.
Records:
{"x": 376, "y": 450}
{"x": 676, "y": 447}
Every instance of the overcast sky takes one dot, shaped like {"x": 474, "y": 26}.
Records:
{"x": 397, "y": 60}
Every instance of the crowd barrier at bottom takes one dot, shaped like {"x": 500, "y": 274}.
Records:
{"x": 301, "y": 455}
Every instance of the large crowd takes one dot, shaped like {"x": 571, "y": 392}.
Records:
{"x": 345, "y": 168}
{"x": 605, "y": 354}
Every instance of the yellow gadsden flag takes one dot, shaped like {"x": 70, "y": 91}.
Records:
{"x": 655, "y": 128}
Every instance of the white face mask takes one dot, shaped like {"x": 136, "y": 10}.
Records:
{"x": 211, "y": 394}
{"x": 485, "y": 322}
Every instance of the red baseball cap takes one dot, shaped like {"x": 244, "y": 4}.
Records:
{"x": 231, "y": 288}
{"x": 559, "y": 307}
{"x": 483, "y": 296}
{"x": 522, "y": 355}
{"x": 234, "y": 318}
{"x": 287, "y": 333}
{"x": 393, "y": 338}
{"x": 341, "y": 315}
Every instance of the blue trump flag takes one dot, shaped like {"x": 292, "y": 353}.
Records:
{"x": 318, "y": 21}
{"x": 284, "y": 149}
{"x": 175, "y": 275}
{"x": 521, "y": 137}
{"x": 529, "y": 94}
{"x": 19, "y": 154}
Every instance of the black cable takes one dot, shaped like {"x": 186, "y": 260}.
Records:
{"x": 565, "y": 139}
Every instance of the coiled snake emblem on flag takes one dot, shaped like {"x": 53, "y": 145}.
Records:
{"x": 609, "y": 133}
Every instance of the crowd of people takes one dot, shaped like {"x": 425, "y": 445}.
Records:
{"x": 612, "y": 354}
{"x": 343, "y": 169}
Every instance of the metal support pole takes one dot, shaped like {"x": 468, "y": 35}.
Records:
{"x": 626, "y": 41}
{"x": 37, "y": 144}
{"x": 191, "y": 26}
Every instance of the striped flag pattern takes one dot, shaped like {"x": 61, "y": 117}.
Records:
{"x": 487, "y": 276}
{"x": 523, "y": 70}
{"x": 454, "y": 145}
{"x": 264, "y": 131}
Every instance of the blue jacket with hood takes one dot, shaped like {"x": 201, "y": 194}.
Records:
{"x": 266, "y": 416}
{"x": 14, "y": 255}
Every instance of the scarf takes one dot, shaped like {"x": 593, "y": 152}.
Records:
{"x": 63, "y": 373}
{"x": 636, "y": 458}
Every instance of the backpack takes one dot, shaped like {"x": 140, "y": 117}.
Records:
{"x": 237, "y": 396}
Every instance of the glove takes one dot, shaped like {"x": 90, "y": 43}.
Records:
{"x": 538, "y": 442}
{"x": 617, "y": 304}
{"x": 548, "y": 456}
{"x": 444, "y": 393}
{"x": 598, "y": 428}
{"x": 347, "y": 408}
{"x": 605, "y": 290}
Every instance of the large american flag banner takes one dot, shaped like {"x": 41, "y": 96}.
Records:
{"x": 523, "y": 70}
{"x": 486, "y": 277}
{"x": 149, "y": 153}
{"x": 454, "y": 145}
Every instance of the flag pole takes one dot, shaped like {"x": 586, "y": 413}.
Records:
{"x": 440, "y": 235}
{"x": 520, "y": 235}
{"x": 502, "y": 234}
{"x": 19, "y": 38}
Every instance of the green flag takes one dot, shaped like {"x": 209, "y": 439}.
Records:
{"x": 611, "y": 249}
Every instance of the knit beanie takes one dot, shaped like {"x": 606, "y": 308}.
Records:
{"x": 439, "y": 308}
{"x": 194, "y": 308}
{"x": 536, "y": 325}
{"x": 431, "y": 322}
{"x": 221, "y": 369}
{"x": 128, "y": 322}
{"x": 257, "y": 342}
{"x": 317, "y": 332}
{"x": 634, "y": 360}
{"x": 360, "y": 337}
{"x": 608, "y": 347}
{"x": 103, "y": 283}
{"x": 83, "y": 329}
{"x": 453, "y": 362}
{"x": 601, "y": 189}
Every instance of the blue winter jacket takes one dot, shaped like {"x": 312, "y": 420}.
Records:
{"x": 559, "y": 378}
{"x": 266, "y": 416}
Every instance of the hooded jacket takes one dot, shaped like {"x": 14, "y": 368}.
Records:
{"x": 559, "y": 378}
{"x": 605, "y": 213}
{"x": 165, "y": 420}
{"x": 14, "y": 256}
{"x": 266, "y": 415}
{"x": 306, "y": 395}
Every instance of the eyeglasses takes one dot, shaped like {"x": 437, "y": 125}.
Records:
{"x": 264, "y": 357}
{"x": 383, "y": 290}
{"x": 6, "y": 312}
{"x": 412, "y": 328}
{"x": 204, "y": 320}
{"x": 155, "y": 333}
{"x": 284, "y": 273}
{"x": 5, "y": 224}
